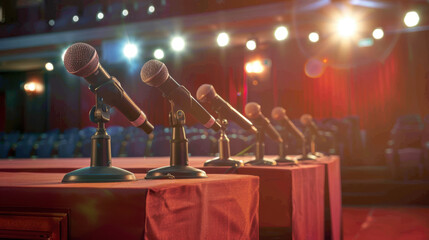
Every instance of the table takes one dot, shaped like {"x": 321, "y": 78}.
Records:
{"x": 297, "y": 201}
{"x": 217, "y": 207}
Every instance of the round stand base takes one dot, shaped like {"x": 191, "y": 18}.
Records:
{"x": 306, "y": 157}
{"x": 290, "y": 160}
{"x": 175, "y": 172}
{"x": 262, "y": 162}
{"x": 98, "y": 174}
{"x": 224, "y": 162}
{"x": 317, "y": 154}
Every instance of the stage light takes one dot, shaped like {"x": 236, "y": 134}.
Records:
{"x": 151, "y": 9}
{"x": 281, "y": 33}
{"x": 346, "y": 27}
{"x": 251, "y": 45}
{"x": 158, "y": 54}
{"x": 222, "y": 39}
{"x": 75, "y": 18}
{"x": 130, "y": 50}
{"x": 51, "y": 22}
{"x": 100, "y": 15}
{"x": 125, "y": 12}
{"x": 411, "y": 19}
{"x": 378, "y": 33}
{"x": 33, "y": 87}
{"x": 49, "y": 66}
{"x": 313, "y": 37}
{"x": 254, "y": 67}
{"x": 178, "y": 44}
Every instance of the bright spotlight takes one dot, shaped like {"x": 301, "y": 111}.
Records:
{"x": 378, "y": 33}
{"x": 158, "y": 54}
{"x": 125, "y": 12}
{"x": 51, "y": 22}
{"x": 100, "y": 15}
{"x": 281, "y": 33}
{"x": 251, "y": 45}
{"x": 222, "y": 39}
{"x": 33, "y": 87}
{"x": 130, "y": 50}
{"x": 254, "y": 67}
{"x": 75, "y": 18}
{"x": 178, "y": 44}
{"x": 49, "y": 66}
{"x": 346, "y": 27}
{"x": 151, "y": 9}
{"x": 30, "y": 87}
{"x": 411, "y": 19}
{"x": 313, "y": 37}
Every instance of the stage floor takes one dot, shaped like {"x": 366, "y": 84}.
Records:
{"x": 385, "y": 223}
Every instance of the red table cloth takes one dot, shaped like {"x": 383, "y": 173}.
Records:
{"x": 217, "y": 207}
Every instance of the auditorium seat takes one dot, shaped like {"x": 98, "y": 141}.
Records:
{"x": 4, "y": 148}
{"x": 237, "y": 144}
{"x": 201, "y": 145}
{"x": 136, "y": 147}
{"x": 23, "y": 149}
{"x": 44, "y": 148}
{"x": 66, "y": 148}
{"x": 85, "y": 147}
{"x": 87, "y": 132}
{"x": 160, "y": 146}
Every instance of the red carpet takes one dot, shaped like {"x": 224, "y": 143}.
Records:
{"x": 386, "y": 223}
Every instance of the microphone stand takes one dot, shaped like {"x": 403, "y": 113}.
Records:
{"x": 101, "y": 169}
{"x": 224, "y": 158}
{"x": 313, "y": 147}
{"x": 282, "y": 158}
{"x": 305, "y": 155}
{"x": 179, "y": 152}
{"x": 260, "y": 149}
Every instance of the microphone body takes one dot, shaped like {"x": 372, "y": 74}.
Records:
{"x": 154, "y": 73}
{"x": 82, "y": 60}
{"x": 307, "y": 121}
{"x": 253, "y": 112}
{"x": 279, "y": 114}
{"x": 207, "y": 94}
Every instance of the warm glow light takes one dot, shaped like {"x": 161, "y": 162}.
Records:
{"x": 125, "y": 12}
{"x": 100, "y": 15}
{"x": 178, "y": 44}
{"x": 254, "y": 67}
{"x": 33, "y": 87}
{"x": 281, "y": 33}
{"x": 49, "y": 66}
{"x": 75, "y": 18}
{"x": 151, "y": 9}
{"x": 313, "y": 37}
{"x": 378, "y": 33}
{"x": 411, "y": 19}
{"x": 346, "y": 27}
{"x": 251, "y": 45}
{"x": 130, "y": 50}
{"x": 158, "y": 54}
{"x": 222, "y": 39}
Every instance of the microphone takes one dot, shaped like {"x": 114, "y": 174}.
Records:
{"x": 207, "y": 94}
{"x": 253, "y": 112}
{"x": 307, "y": 120}
{"x": 154, "y": 73}
{"x": 81, "y": 59}
{"x": 279, "y": 114}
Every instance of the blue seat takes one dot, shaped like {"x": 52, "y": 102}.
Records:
{"x": 160, "y": 146}
{"x": 24, "y": 149}
{"x": 13, "y": 137}
{"x": 4, "y": 149}
{"x": 236, "y": 143}
{"x": 136, "y": 147}
{"x": 45, "y": 148}
{"x": 87, "y": 132}
{"x": 85, "y": 148}
{"x": 200, "y": 146}
{"x": 66, "y": 148}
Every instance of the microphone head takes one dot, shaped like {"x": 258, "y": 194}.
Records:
{"x": 206, "y": 93}
{"x": 81, "y": 59}
{"x": 252, "y": 110}
{"x": 278, "y": 113}
{"x": 306, "y": 118}
{"x": 154, "y": 73}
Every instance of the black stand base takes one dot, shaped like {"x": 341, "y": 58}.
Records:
{"x": 286, "y": 160}
{"x": 175, "y": 172}
{"x": 306, "y": 157}
{"x": 262, "y": 162}
{"x": 224, "y": 162}
{"x": 98, "y": 174}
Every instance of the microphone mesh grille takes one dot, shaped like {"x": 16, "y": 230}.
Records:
{"x": 77, "y": 57}
{"x": 154, "y": 73}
